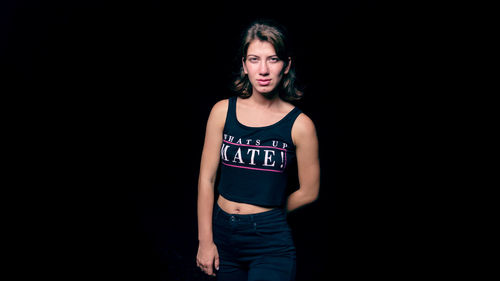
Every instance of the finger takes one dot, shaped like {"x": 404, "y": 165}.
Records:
{"x": 206, "y": 267}
{"x": 209, "y": 269}
{"x": 216, "y": 262}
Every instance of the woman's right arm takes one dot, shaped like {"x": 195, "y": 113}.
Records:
{"x": 207, "y": 257}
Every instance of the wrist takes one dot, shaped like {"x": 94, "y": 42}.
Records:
{"x": 205, "y": 241}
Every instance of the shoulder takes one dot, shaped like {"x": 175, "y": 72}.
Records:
{"x": 220, "y": 107}
{"x": 303, "y": 128}
{"x": 218, "y": 113}
{"x": 304, "y": 123}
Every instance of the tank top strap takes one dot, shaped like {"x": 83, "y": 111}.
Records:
{"x": 293, "y": 115}
{"x": 289, "y": 119}
{"x": 286, "y": 126}
{"x": 231, "y": 112}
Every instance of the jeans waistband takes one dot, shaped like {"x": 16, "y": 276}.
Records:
{"x": 274, "y": 213}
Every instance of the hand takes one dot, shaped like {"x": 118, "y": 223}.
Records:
{"x": 207, "y": 258}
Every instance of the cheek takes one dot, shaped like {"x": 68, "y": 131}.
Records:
{"x": 252, "y": 71}
{"x": 279, "y": 72}
{"x": 279, "y": 69}
{"x": 251, "y": 67}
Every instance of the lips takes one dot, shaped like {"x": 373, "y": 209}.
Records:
{"x": 264, "y": 82}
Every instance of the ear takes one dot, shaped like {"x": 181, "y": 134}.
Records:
{"x": 244, "y": 65}
{"x": 287, "y": 69}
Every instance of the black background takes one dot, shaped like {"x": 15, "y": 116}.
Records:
{"x": 112, "y": 98}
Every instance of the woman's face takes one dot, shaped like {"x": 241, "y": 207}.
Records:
{"x": 263, "y": 67}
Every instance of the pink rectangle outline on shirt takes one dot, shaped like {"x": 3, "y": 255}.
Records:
{"x": 284, "y": 164}
{"x": 266, "y": 170}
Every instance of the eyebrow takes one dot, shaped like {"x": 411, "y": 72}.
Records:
{"x": 259, "y": 56}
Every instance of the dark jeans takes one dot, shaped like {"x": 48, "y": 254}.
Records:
{"x": 254, "y": 247}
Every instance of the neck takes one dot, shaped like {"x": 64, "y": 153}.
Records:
{"x": 265, "y": 100}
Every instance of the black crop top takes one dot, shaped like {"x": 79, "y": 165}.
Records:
{"x": 255, "y": 160}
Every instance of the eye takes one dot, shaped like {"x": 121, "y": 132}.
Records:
{"x": 253, "y": 59}
{"x": 274, "y": 59}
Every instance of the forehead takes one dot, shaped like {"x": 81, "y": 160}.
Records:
{"x": 261, "y": 48}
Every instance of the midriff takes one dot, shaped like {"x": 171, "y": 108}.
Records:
{"x": 232, "y": 207}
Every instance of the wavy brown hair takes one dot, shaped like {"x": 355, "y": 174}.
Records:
{"x": 276, "y": 34}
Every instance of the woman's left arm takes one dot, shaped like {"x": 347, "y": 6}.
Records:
{"x": 306, "y": 145}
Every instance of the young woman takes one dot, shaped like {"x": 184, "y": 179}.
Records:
{"x": 254, "y": 137}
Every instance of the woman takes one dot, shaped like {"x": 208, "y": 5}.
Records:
{"x": 255, "y": 136}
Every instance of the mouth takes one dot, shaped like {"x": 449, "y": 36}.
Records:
{"x": 263, "y": 82}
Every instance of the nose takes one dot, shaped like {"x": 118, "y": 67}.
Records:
{"x": 263, "y": 69}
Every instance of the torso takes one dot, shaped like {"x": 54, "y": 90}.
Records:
{"x": 251, "y": 117}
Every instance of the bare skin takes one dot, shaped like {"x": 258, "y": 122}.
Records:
{"x": 239, "y": 208}
{"x": 262, "y": 108}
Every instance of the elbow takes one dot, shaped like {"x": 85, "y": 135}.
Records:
{"x": 206, "y": 178}
{"x": 315, "y": 193}
{"x": 303, "y": 196}
{"x": 312, "y": 196}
